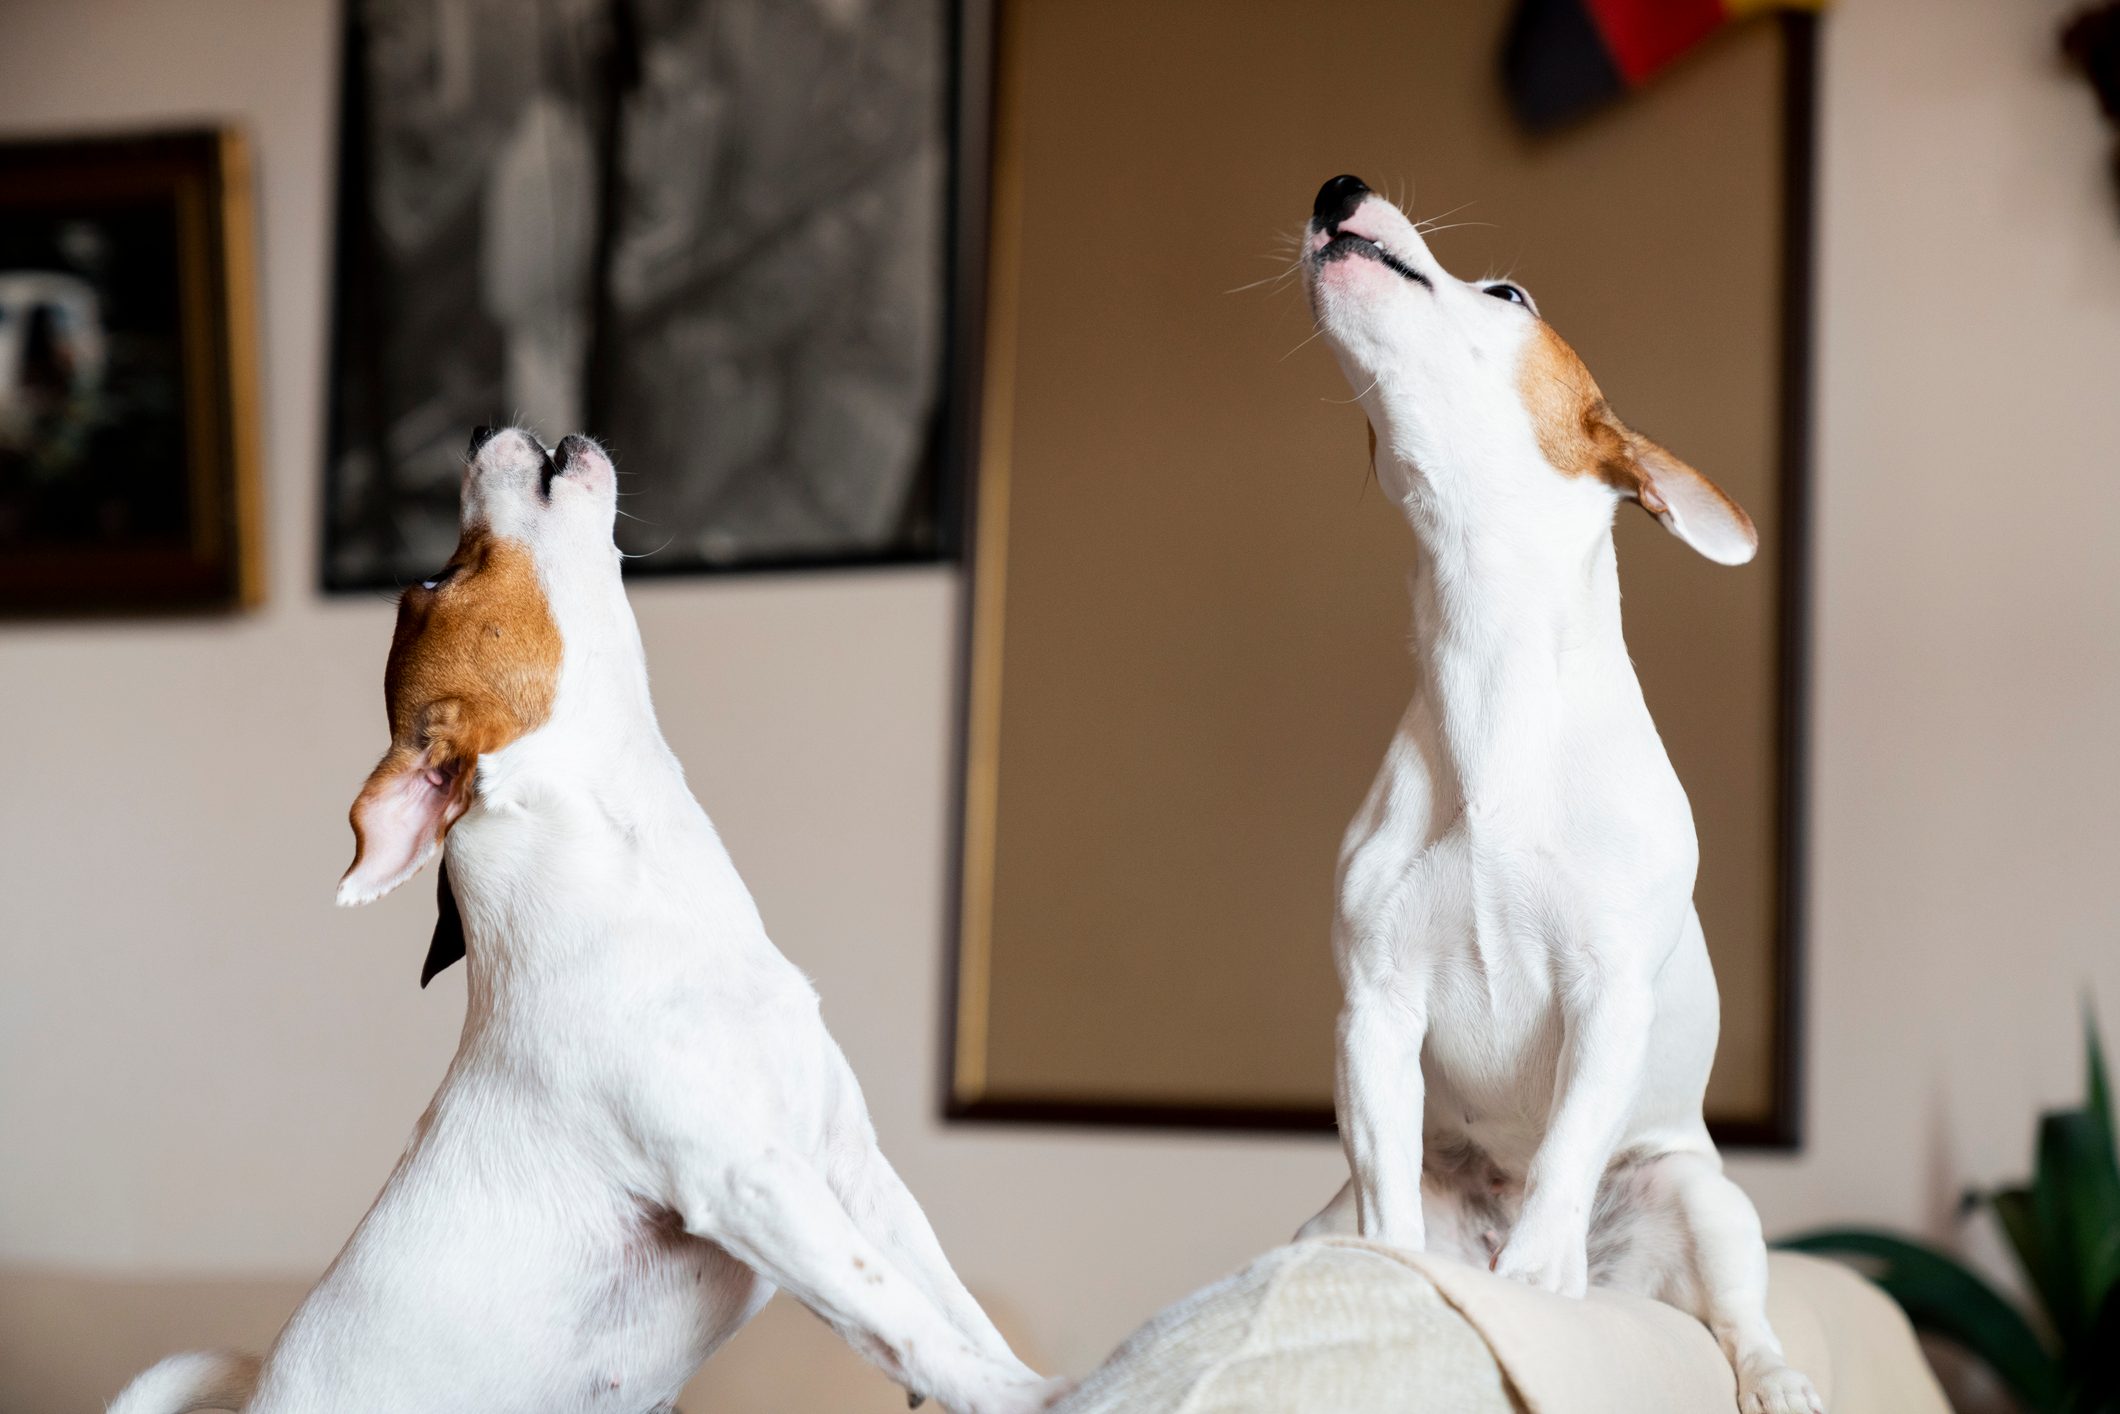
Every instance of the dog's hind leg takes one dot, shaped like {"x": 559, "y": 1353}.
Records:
{"x": 1674, "y": 1228}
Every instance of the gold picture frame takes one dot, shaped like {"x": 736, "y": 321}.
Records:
{"x": 1129, "y": 152}
{"x": 129, "y": 453}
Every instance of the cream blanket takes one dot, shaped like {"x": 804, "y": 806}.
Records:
{"x": 1345, "y": 1327}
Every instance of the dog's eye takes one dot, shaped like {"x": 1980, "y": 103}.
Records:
{"x": 430, "y": 585}
{"x": 1509, "y": 292}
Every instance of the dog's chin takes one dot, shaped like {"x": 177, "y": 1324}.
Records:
{"x": 1354, "y": 269}
{"x": 1354, "y": 297}
{"x": 1349, "y": 326}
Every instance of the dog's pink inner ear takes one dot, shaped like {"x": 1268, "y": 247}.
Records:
{"x": 399, "y": 818}
{"x": 1690, "y": 506}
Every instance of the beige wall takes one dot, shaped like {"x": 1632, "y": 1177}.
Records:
{"x": 205, "y": 1070}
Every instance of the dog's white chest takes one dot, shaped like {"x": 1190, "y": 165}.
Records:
{"x": 1480, "y": 929}
{"x": 1482, "y": 895}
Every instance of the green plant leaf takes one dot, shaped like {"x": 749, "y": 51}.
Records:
{"x": 2097, "y": 1094}
{"x": 1942, "y": 1296}
{"x": 2076, "y": 1208}
{"x": 2013, "y": 1209}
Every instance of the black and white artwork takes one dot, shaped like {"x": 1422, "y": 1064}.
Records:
{"x": 710, "y": 233}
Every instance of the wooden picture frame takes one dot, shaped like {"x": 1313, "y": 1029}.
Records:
{"x": 1015, "y": 236}
{"x": 129, "y": 456}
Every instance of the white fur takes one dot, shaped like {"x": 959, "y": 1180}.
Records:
{"x": 1529, "y": 1013}
{"x": 646, "y": 1128}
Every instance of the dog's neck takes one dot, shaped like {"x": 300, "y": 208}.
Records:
{"x": 1515, "y": 596}
{"x": 586, "y": 839}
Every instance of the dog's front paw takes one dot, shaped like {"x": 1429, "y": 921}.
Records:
{"x": 1557, "y": 1264}
{"x": 1777, "y": 1389}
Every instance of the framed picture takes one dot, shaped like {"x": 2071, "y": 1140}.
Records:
{"x": 716, "y": 236}
{"x": 1186, "y": 630}
{"x": 128, "y": 378}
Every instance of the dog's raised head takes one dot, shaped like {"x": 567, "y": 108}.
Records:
{"x": 528, "y": 607}
{"x": 1463, "y": 379}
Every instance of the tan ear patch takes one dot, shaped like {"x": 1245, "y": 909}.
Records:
{"x": 1581, "y": 436}
{"x": 474, "y": 665}
{"x": 474, "y": 662}
{"x": 1575, "y": 426}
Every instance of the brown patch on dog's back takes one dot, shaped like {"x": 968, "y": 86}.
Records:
{"x": 474, "y": 665}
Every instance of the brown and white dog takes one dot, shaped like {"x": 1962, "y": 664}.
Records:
{"x": 646, "y": 1128}
{"x": 1529, "y": 1014}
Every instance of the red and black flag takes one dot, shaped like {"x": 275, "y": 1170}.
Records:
{"x": 1566, "y": 57}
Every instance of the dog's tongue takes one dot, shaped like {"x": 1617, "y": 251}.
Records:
{"x": 447, "y": 946}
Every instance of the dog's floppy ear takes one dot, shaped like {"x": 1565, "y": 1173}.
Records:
{"x": 409, "y": 802}
{"x": 1581, "y": 436}
{"x": 1691, "y": 507}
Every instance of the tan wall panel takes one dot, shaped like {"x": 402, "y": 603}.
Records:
{"x": 1205, "y": 616}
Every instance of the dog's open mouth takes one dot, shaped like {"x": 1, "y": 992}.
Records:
{"x": 1343, "y": 247}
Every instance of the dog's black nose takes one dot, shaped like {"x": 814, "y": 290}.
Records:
{"x": 568, "y": 446}
{"x": 1336, "y": 201}
{"x": 480, "y": 436}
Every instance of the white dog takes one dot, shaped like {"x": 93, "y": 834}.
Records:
{"x": 646, "y": 1128}
{"x": 1529, "y": 1012}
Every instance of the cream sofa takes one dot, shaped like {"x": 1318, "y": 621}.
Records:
{"x": 1321, "y": 1328}
{"x": 1344, "y": 1327}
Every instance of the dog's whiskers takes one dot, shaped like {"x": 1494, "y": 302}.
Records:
{"x": 1277, "y": 279}
{"x": 1314, "y": 333}
{"x": 1454, "y": 225}
{"x": 1343, "y": 402}
{"x": 1430, "y": 224}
